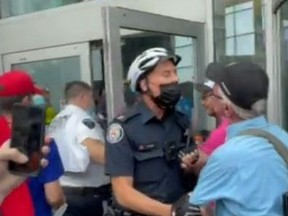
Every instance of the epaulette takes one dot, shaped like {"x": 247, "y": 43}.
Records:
{"x": 89, "y": 123}
{"x": 130, "y": 113}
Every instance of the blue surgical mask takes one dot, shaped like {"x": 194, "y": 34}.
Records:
{"x": 39, "y": 100}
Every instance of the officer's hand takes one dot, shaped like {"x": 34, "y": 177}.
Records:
{"x": 182, "y": 207}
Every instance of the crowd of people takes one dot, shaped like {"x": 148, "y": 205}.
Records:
{"x": 146, "y": 162}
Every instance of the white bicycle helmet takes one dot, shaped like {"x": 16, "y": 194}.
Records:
{"x": 147, "y": 61}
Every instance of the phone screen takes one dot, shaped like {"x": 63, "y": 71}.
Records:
{"x": 28, "y": 131}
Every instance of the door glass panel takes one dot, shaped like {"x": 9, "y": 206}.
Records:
{"x": 249, "y": 48}
{"x": 229, "y": 25}
{"x": 187, "y": 55}
{"x": 53, "y": 74}
{"x": 98, "y": 85}
{"x": 243, "y": 22}
{"x": 136, "y": 42}
{"x": 19, "y": 7}
{"x": 230, "y": 46}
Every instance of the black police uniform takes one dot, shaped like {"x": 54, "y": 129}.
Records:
{"x": 141, "y": 146}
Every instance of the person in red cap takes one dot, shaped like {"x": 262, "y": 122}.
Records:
{"x": 15, "y": 87}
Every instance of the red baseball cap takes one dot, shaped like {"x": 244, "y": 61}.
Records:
{"x": 17, "y": 83}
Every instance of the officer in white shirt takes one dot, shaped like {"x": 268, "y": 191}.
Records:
{"x": 81, "y": 145}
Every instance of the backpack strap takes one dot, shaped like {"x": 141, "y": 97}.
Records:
{"x": 277, "y": 144}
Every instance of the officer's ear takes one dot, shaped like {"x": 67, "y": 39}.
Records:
{"x": 229, "y": 111}
{"x": 143, "y": 85}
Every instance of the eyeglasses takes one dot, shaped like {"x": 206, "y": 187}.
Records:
{"x": 211, "y": 94}
{"x": 217, "y": 96}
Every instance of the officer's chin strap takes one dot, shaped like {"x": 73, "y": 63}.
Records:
{"x": 182, "y": 208}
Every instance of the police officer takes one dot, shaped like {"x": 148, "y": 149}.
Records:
{"x": 143, "y": 144}
{"x": 81, "y": 145}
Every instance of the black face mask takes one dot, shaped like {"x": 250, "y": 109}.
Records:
{"x": 169, "y": 96}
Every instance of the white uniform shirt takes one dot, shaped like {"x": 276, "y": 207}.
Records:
{"x": 69, "y": 132}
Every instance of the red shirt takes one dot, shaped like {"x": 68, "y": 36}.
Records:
{"x": 19, "y": 201}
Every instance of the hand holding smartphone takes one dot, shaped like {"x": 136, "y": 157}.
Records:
{"x": 28, "y": 132}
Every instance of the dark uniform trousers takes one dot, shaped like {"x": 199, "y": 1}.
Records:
{"x": 86, "y": 201}
{"x": 140, "y": 145}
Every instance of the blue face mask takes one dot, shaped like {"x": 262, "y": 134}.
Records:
{"x": 39, "y": 100}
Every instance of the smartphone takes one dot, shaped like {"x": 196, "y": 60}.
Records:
{"x": 28, "y": 132}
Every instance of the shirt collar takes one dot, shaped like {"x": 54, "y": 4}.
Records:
{"x": 236, "y": 128}
{"x": 146, "y": 113}
{"x": 70, "y": 108}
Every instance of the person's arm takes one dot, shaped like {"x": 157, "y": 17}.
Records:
{"x": 50, "y": 175}
{"x": 214, "y": 184}
{"x": 90, "y": 135}
{"x": 182, "y": 207}
{"x": 216, "y": 138}
{"x": 96, "y": 150}
{"x": 192, "y": 163}
{"x": 134, "y": 200}
{"x": 54, "y": 194}
{"x": 215, "y": 180}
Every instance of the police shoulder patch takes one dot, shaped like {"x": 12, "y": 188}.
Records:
{"x": 115, "y": 133}
{"x": 89, "y": 123}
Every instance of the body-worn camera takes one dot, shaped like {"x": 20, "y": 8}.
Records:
{"x": 171, "y": 151}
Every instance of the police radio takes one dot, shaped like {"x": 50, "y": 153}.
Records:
{"x": 190, "y": 147}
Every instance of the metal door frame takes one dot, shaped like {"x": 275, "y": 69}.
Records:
{"x": 115, "y": 18}
{"x": 274, "y": 57}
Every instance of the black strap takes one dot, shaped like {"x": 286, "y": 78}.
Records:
{"x": 104, "y": 190}
{"x": 278, "y": 144}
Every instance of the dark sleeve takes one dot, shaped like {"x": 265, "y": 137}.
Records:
{"x": 119, "y": 155}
